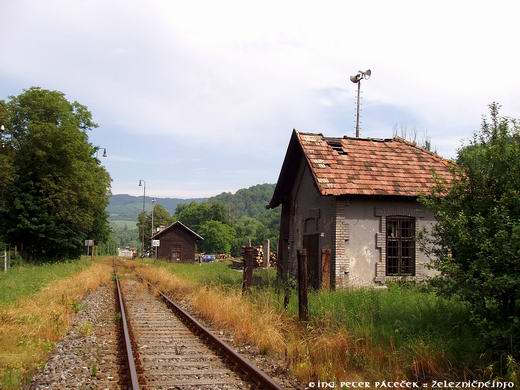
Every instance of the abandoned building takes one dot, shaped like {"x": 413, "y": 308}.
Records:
{"x": 177, "y": 242}
{"x": 352, "y": 204}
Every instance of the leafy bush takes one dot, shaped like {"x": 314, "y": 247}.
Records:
{"x": 476, "y": 242}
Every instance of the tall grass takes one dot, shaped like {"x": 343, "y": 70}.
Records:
{"x": 31, "y": 325}
{"x": 217, "y": 273}
{"x": 401, "y": 332}
{"x": 27, "y": 279}
{"x": 413, "y": 333}
{"x": 398, "y": 316}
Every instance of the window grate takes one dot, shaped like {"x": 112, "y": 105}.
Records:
{"x": 400, "y": 246}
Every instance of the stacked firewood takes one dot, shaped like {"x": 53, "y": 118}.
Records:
{"x": 258, "y": 256}
{"x": 273, "y": 259}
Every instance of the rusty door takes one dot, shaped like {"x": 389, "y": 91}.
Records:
{"x": 311, "y": 242}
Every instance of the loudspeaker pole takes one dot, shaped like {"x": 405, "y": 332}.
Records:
{"x": 356, "y": 79}
{"x": 357, "y": 108}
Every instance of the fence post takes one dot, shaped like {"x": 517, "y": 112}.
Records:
{"x": 249, "y": 252}
{"x": 267, "y": 252}
{"x": 325, "y": 268}
{"x": 286, "y": 288}
{"x": 303, "y": 304}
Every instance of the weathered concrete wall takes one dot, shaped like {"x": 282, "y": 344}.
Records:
{"x": 353, "y": 229}
{"x": 365, "y": 246}
{"x": 312, "y": 213}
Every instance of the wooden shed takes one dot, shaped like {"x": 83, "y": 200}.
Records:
{"x": 177, "y": 243}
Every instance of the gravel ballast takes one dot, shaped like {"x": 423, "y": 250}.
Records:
{"x": 88, "y": 357}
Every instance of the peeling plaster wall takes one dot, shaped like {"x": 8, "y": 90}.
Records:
{"x": 365, "y": 248}
{"x": 353, "y": 229}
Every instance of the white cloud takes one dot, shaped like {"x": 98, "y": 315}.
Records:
{"x": 238, "y": 74}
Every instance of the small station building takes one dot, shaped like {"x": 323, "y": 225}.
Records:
{"x": 177, "y": 243}
{"x": 352, "y": 203}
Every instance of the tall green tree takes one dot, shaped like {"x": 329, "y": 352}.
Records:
{"x": 248, "y": 230}
{"x": 218, "y": 237}
{"x": 6, "y": 165}
{"x": 58, "y": 191}
{"x": 194, "y": 214}
{"x": 476, "y": 242}
{"x": 161, "y": 217}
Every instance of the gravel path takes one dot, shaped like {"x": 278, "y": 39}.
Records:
{"x": 88, "y": 357}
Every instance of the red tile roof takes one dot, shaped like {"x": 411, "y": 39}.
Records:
{"x": 367, "y": 166}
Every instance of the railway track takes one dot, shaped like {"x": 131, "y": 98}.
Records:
{"x": 166, "y": 348}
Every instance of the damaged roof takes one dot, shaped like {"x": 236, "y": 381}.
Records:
{"x": 361, "y": 166}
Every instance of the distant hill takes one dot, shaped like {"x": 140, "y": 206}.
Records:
{"x": 124, "y": 207}
{"x": 246, "y": 208}
{"x": 250, "y": 202}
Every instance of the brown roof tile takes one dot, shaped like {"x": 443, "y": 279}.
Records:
{"x": 372, "y": 166}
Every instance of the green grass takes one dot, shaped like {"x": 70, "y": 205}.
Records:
{"x": 24, "y": 280}
{"x": 218, "y": 273}
{"x": 405, "y": 319}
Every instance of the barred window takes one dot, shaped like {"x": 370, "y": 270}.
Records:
{"x": 400, "y": 246}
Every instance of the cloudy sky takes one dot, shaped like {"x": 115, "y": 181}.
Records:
{"x": 200, "y": 97}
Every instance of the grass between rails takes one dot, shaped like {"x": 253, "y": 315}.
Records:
{"x": 355, "y": 334}
{"x": 31, "y": 326}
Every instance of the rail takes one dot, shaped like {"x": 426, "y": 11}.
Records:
{"x": 127, "y": 341}
{"x": 252, "y": 372}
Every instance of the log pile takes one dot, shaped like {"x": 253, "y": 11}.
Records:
{"x": 258, "y": 256}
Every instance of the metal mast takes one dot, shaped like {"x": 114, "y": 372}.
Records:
{"x": 356, "y": 79}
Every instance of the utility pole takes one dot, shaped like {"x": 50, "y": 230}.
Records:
{"x": 142, "y": 183}
{"x": 153, "y": 247}
{"x": 356, "y": 79}
{"x": 357, "y": 108}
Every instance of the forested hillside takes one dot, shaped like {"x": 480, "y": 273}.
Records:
{"x": 124, "y": 207}
{"x": 250, "y": 201}
{"x": 244, "y": 212}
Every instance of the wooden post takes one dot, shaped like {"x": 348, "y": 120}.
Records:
{"x": 249, "y": 253}
{"x": 267, "y": 252}
{"x": 282, "y": 261}
{"x": 303, "y": 304}
{"x": 325, "y": 268}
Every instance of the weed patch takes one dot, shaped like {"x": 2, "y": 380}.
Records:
{"x": 30, "y": 327}
{"x": 365, "y": 334}
{"x": 26, "y": 279}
